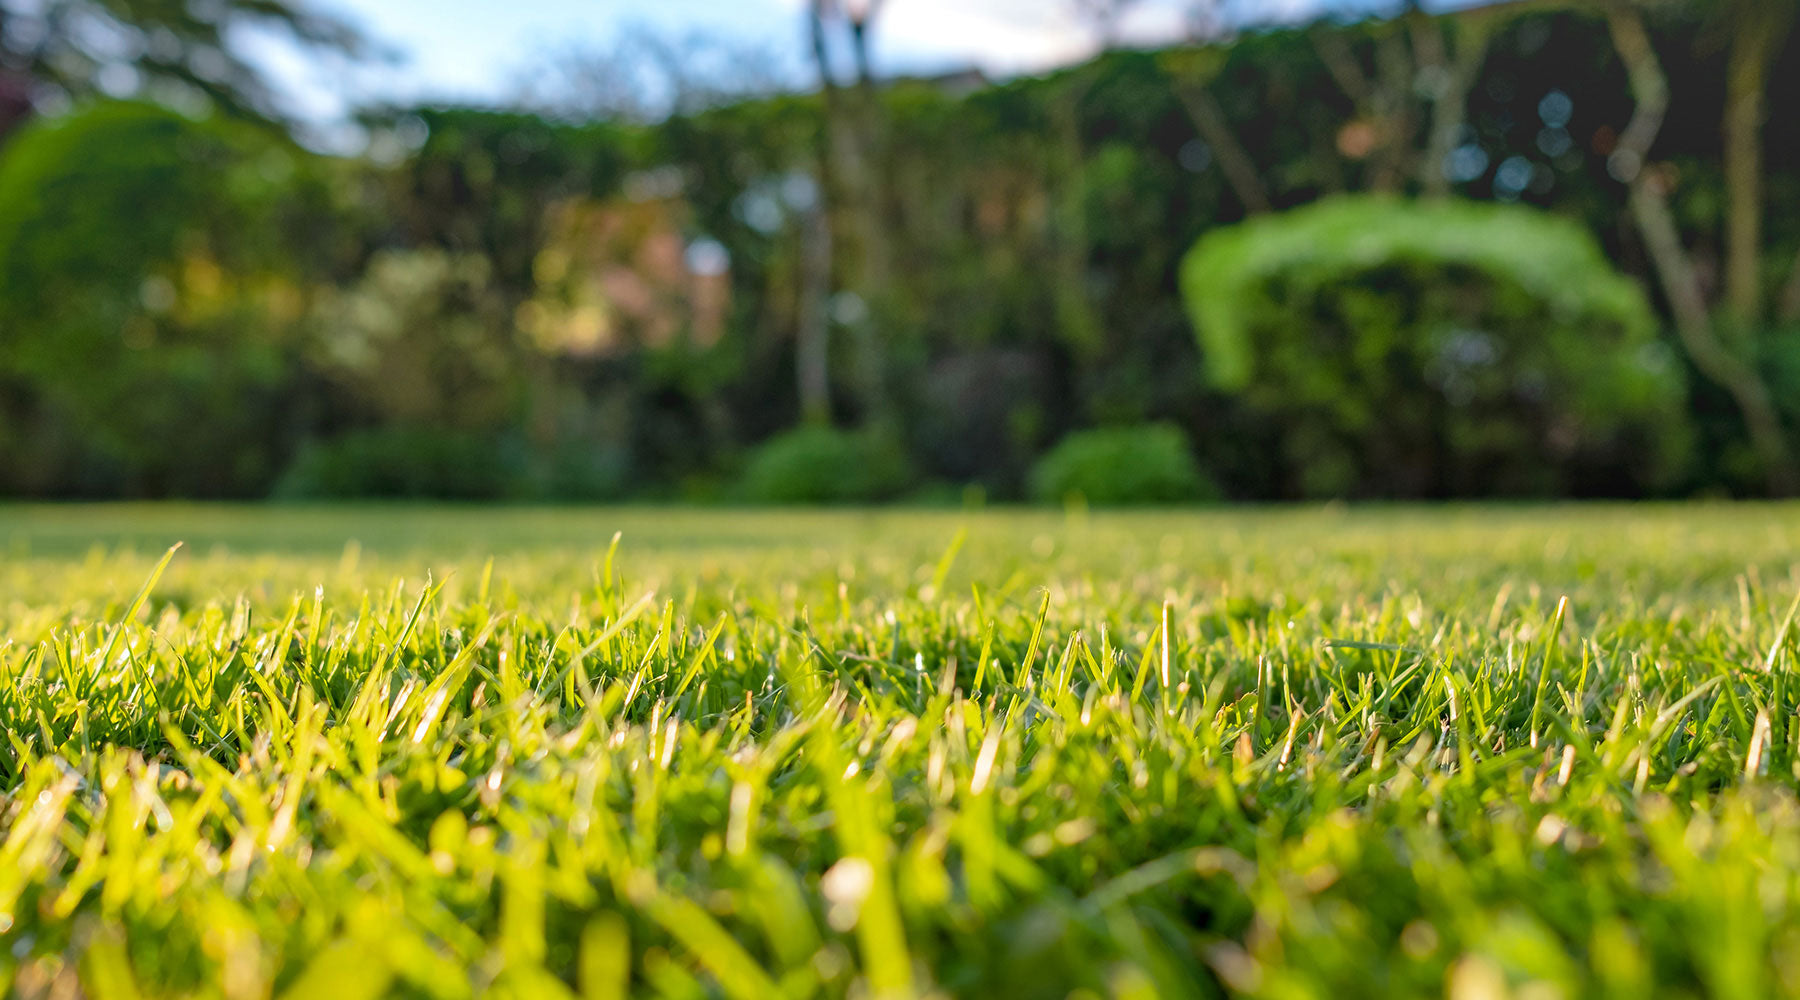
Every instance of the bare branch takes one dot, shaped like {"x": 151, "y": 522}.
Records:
{"x": 1790, "y": 295}
{"x": 1650, "y": 208}
{"x": 1234, "y": 160}
{"x": 812, "y": 340}
{"x": 1393, "y": 108}
{"x": 1341, "y": 62}
{"x": 1457, "y": 72}
{"x": 1649, "y": 88}
{"x": 1674, "y": 266}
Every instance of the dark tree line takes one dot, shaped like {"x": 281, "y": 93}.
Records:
{"x": 521, "y": 304}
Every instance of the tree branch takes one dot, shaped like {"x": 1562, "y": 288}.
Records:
{"x": 1649, "y": 88}
{"x": 1790, "y": 294}
{"x": 1470, "y": 36}
{"x": 852, "y": 159}
{"x": 812, "y": 343}
{"x": 1650, "y": 208}
{"x": 812, "y": 340}
{"x": 1674, "y": 266}
{"x": 1341, "y": 62}
{"x": 1234, "y": 161}
{"x": 1394, "y": 112}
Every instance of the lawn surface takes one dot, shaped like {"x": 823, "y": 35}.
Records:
{"x": 439, "y": 752}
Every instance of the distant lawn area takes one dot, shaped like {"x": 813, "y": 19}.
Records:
{"x": 340, "y": 753}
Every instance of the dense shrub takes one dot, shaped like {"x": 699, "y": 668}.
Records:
{"x": 1122, "y": 465}
{"x": 152, "y": 272}
{"x": 826, "y": 465}
{"x": 406, "y": 463}
{"x": 1438, "y": 349}
{"x": 420, "y": 339}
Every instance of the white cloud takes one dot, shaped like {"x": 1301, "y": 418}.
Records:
{"x": 1002, "y": 36}
{"x": 1015, "y": 36}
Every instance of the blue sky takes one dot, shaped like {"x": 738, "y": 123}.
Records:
{"x": 480, "y": 50}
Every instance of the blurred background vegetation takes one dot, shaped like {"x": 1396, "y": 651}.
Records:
{"x": 1523, "y": 249}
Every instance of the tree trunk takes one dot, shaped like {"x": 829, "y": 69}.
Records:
{"x": 867, "y": 177}
{"x": 1759, "y": 30}
{"x": 1790, "y": 294}
{"x": 15, "y": 88}
{"x": 1650, "y": 209}
{"x": 1674, "y": 267}
{"x": 1077, "y": 324}
{"x": 812, "y": 341}
{"x": 15, "y": 104}
{"x": 851, "y": 198}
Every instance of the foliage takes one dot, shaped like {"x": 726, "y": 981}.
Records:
{"x": 1152, "y": 464}
{"x": 149, "y": 291}
{"x": 432, "y": 463}
{"x": 420, "y": 339}
{"x": 394, "y": 462}
{"x": 1034, "y": 230}
{"x": 486, "y": 182}
{"x": 981, "y": 418}
{"x": 184, "y": 52}
{"x": 826, "y": 465}
{"x": 1286, "y": 753}
{"x": 1437, "y": 348}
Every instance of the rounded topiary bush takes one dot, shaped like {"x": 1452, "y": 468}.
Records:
{"x": 1122, "y": 465}
{"x": 818, "y": 465}
{"x": 1436, "y": 349}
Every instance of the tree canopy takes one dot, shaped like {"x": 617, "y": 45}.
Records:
{"x": 60, "y": 51}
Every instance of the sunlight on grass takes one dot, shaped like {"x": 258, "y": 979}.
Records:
{"x": 441, "y": 751}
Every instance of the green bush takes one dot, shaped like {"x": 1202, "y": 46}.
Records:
{"x": 405, "y": 463}
{"x": 814, "y": 465}
{"x": 1123, "y": 465}
{"x": 420, "y": 339}
{"x": 1438, "y": 349}
{"x": 151, "y": 282}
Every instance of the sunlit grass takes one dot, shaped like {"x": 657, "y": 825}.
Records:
{"x": 435, "y": 752}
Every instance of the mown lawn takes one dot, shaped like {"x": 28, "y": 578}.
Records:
{"x": 439, "y": 752}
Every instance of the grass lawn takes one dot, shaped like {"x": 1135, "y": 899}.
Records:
{"x": 436, "y": 752}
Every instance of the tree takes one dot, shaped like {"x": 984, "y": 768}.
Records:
{"x": 154, "y": 275}
{"x": 646, "y": 76}
{"x": 1722, "y": 346}
{"x": 1451, "y": 53}
{"x": 1077, "y": 321}
{"x": 1403, "y": 76}
{"x": 853, "y": 189}
{"x": 72, "y": 49}
{"x": 1193, "y": 72}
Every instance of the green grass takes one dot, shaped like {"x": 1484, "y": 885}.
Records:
{"x": 1298, "y": 753}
